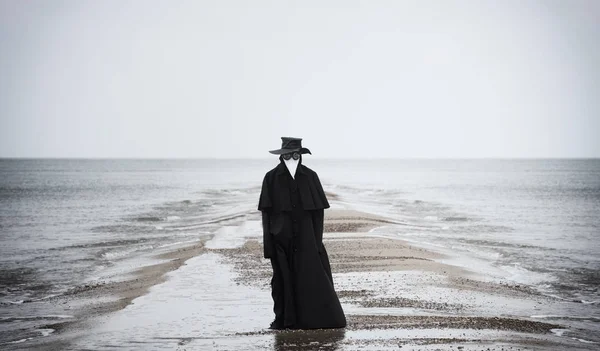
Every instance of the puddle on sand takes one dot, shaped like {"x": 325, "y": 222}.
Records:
{"x": 430, "y": 288}
{"x": 351, "y": 309}
{"x": 430, "y": 333}
{"x": 198, "y": 302}
{"x": 201, "y": 307}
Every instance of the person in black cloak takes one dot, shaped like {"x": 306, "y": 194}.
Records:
{"x": 292, "y": 202}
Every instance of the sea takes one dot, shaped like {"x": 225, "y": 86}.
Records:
{"x": 63, "y": 222}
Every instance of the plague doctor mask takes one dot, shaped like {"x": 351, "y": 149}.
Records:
{"x": 291, "y": 153}
{"x": 291, "y": 160}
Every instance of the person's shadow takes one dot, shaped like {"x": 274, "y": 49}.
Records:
{"x": 305, "y": 340}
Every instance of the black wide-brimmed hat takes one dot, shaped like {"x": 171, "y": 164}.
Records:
{"x": 289, "y": 144}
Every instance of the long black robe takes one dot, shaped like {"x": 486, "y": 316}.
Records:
{"x": 302, "y": 284}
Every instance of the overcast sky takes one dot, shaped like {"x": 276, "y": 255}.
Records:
{"x": 353, "y": 78}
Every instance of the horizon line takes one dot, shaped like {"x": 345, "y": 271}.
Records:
{"x": 99, "y": 158}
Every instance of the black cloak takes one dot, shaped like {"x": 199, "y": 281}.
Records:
{"x": 292, "y": 216}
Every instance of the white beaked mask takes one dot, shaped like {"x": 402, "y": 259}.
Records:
{"x": 292, "y": 165}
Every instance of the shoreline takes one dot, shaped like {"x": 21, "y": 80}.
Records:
{"x": 393, "y": 293}
{"x": 91, "y": 303}
{"x": 469, "y": 316}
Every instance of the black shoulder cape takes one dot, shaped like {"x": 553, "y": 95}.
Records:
{"x": 275, "y": 198}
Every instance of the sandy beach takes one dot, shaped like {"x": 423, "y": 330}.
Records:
{"x": 430, "y": 169}
{"x": 215, "y": 295}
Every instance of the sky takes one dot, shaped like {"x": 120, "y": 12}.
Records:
{"x": 354, "y": 79}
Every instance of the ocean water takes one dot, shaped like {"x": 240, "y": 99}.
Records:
{"x": 64, "y": 222}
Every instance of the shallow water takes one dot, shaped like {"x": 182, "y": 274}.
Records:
{"x": 199, "y": 304}
{"x": 64, "y": 222}
{"x": 202, "y": 306}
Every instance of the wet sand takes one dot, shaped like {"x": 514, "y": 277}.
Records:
{"x": 86, "y": 305}
{"x": 390, "y": 288}
{"x": 395, "y": 296}
{"x": 388, "y": 316}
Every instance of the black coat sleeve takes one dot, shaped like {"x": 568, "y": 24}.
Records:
{"x": 267, "y": 236}
{"x": 265, "y": 206}
{"x": 264, "y": 202}
{"x": 320, "y": 192}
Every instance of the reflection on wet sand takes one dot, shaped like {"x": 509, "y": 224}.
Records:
{"x": 306, "y": 340}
